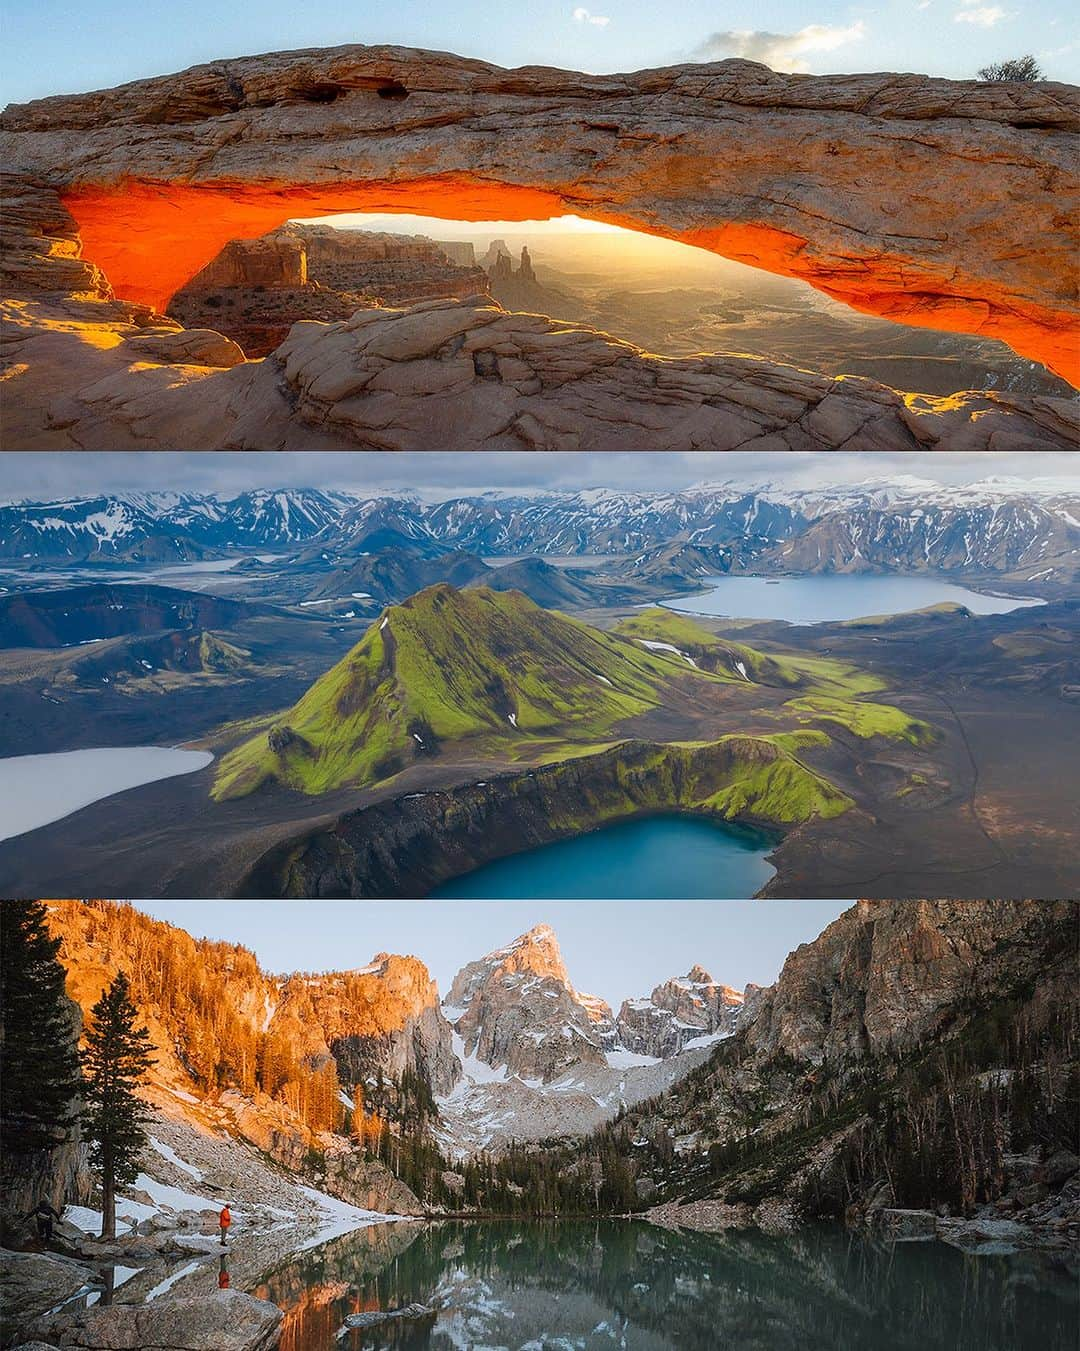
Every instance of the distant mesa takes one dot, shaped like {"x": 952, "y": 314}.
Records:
{"x": 256, "y": 289}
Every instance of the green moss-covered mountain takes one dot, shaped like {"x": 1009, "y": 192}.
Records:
{"x": 449, "y": 666}
{"x": 737, "y": 661}
{"x": 492, "y": 674}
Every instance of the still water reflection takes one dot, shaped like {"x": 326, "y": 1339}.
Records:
{"x": 593, "y": 1285}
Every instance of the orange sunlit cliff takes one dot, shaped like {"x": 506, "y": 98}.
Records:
{"x": 942, "y": 204}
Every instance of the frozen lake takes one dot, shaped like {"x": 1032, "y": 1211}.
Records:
{"x": 37, "y": 789}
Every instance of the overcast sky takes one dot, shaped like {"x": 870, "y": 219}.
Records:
{"x": 613, "y": 949}
{"x": 45, "y": 476}
{"x": 64, "y": 46}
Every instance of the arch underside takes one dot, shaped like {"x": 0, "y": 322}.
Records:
{"x": 151, "y": 238}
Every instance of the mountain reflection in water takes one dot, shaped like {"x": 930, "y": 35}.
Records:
{"x": 626, "y": 1284}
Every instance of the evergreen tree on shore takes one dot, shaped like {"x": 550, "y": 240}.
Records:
{"x": 117, "y": 1057}
{"x": 40, "y": 1080}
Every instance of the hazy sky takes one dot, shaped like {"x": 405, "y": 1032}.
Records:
{"x": 616, "y": 950}
{"x": 65, "y": 46}
{"x": 438, "y": 474}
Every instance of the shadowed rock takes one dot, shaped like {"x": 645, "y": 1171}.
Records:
{"x": 225, "y": 1321}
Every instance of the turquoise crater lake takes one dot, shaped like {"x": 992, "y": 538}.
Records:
{"x": 821, "y": 600}
{"x": 648, "y": 858}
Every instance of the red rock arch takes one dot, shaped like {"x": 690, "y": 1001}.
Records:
{"x": 944, "y": 204}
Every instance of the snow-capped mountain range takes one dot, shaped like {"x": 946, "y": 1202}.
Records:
{"x": 999, "y": 525}
{"x": 540, "y": 1058}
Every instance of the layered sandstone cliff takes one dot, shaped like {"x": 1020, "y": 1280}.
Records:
{"x": 256, "y": 289}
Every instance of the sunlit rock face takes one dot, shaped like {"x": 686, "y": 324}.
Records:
{"x": 939, "y": 203}
{"x": 515, "y": 1009}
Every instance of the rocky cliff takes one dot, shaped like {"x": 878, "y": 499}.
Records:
{"x": 516, "y": 1008}
{"x": 881, "y": 189}
{"x": 871, "y": 1068}
{"x": 255, "y": 290}
{"x": 677, "y": 1013}
{"x": 383, "y": 1017}
{"x": 394, "y": 269}
{"x": 245, "y": 1052}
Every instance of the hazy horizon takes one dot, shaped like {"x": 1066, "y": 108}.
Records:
{"x": 439, "y": 475}
{"x": 613, "y": 949}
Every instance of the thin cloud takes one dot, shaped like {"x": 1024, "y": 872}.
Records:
{"x": 982, "y": 16}
{"x": 781, "y": 51}
{"x": 586, "y": 16}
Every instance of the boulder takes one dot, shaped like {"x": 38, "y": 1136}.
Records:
{"x": 188, "y": 347}
{"x": 374, "y": 1317}
{"x": 905, "y": 1225}
{"x": 225, "y": 1321}
{"x": 984, "y": 1235}
{"x": 31, "y": 1283}
{"x": 1058, "y": 1168}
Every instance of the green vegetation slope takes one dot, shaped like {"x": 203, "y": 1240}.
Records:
{"x": 494, "y": 673}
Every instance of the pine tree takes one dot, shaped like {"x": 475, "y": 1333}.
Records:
{"x": 41, "y": 1064}
{"x": 117, "y": 1057}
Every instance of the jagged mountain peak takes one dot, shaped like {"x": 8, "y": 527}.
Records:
{"x": 535, "y": 953}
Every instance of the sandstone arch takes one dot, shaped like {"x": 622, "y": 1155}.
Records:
{"x": 945, "y": 204}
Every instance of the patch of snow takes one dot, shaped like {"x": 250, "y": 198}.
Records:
{"x": 167, "y": 1152}
{"x": 696, "y": 1043}
{"x": 668, "y": 647}
{"x": 174, "y": 1197}
{"x": 339, "y": 1217}
{"x": 625, "y": 1060}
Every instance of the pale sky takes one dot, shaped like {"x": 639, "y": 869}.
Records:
{"x": 68, "y": 46}
{"x": 618, "y": 950}
{"x": 435, "y": 474}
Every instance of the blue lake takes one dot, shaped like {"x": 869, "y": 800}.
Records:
{"x": 598, "y": 1285}
{"x": 648, "y": 858}
{"x": 819, "y": 600}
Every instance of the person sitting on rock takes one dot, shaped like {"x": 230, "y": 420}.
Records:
{"x": 224, "y": 1219}
{"x": 45, "y": 1215}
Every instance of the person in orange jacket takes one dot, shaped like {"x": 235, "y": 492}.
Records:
{"x": 224, "y": 1219}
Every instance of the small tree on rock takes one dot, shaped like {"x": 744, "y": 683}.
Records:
{"x": 40, "y": 1080}
{"x": 117, "y": 1057}
{"x": 1025, "y": 69}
